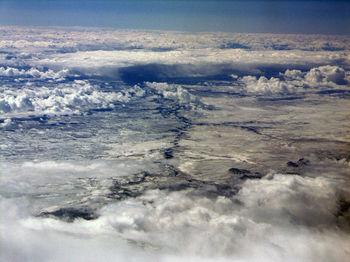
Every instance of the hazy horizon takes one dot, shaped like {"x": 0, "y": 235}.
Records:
{"x": 296, "y": 17}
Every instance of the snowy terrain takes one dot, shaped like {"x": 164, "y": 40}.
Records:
{"x": 127, "y": 145}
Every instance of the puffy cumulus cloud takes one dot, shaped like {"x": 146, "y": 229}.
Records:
{"x": 10, "y": 71}
{"x": 276, "y": 218}
{"x": 293, "y": 74}
{"x": 263, "y": 85}
{"x": 293, "y": 81}
{"x": 286, "y": 200}
{"x": 173, "y": 92}
{"x": 325, "y": 74}
{"x": 65, "y": 98}
{"x": 265, "y": 214}
{"x": 329, "y": 76}
{"x": 34, "y": 72}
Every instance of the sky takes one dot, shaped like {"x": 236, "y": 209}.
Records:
{"x": 288, "y": 16}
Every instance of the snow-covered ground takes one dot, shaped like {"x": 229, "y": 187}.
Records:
{"x": 126, "y": 145}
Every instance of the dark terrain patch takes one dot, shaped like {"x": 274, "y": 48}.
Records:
{"x": 70, "y": 214}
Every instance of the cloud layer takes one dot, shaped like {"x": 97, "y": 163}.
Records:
{"x": 293, "y": 81}
{"x": 75, "y": 97}
{"x": 279, "y": 217}
{"x": 167, "y": 146}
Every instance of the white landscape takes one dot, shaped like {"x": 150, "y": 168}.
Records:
{"x": 135, "y": 145}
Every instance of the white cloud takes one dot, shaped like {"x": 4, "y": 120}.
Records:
{"x": 272, "y": 211}
{"x": 197, "y": 57}
{"x": 9, "y": 71}
{"x": 34, "y": 72}
{"x": 296, "y": 81}
{"x": 293, "y": 74}
{"x": 173, "y": 92}
{"x": 280, "y": 217}
{"x": 78, "y": 38}
{"x": 90, "y": 50}
{"x": 262, "y": 85}
{"x": 325, "y": 74}
{"x": 63, "y": 98}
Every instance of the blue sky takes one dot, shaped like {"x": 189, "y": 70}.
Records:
{"x": 327, "y": 17}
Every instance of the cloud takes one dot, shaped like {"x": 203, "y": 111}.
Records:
{"x": 294, "y": 81}
{"x": 266, "y": 86}
{"x": 34, "y": 72}
{"x": 269, "y": 213}
{"x": 157, "y": 80}
{"x": 73, "y": 39}
{"x": 136, "y": 56}
{"x": 83, "y": 48}
{"x": 173, "y": 92}
{"x": 326, "y": 74}
{"x": 64, "y": 98}
{"x": 196, "y": 57}
{"x": 270, "y": 219}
